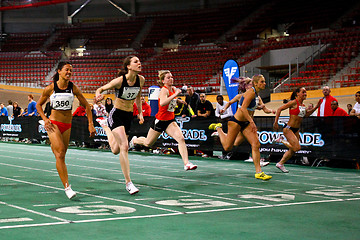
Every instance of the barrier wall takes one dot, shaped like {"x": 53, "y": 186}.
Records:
{"x": 330, "y": 137}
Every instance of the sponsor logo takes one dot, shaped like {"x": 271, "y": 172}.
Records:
{"x": 189, "y": 134}
{"x": 230, "y": 73}
{"x": 11, "y": 127}
{"x": 100, "y": 132}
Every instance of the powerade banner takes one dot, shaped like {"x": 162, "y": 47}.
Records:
{"x": 230, "y": 71}
{"x": 320, "y": 137}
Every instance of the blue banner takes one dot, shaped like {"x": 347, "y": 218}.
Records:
{"x": 154, "y": 92}
{"x": 230, "y": 71}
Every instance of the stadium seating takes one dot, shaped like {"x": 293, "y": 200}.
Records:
{"x": 201, "y": 52}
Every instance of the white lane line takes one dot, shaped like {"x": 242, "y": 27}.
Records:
{"x": 60, "y": 204}
{"x": 132, "y": 217}
{"x": 33, "y": 225}
{"x": 270, "y": 206}
{"x": 174, "y": 214}
{"x": 34, "y": 212}
{"x": 9, "y": 220}
{"x": 80, "y": 152}
{"x": 91, "y": 195}
{"x": 91, "y": 220}
{"x": 173, "y": 178}
{"x": 71, "y": 152}
{"x": 154, "y": 187}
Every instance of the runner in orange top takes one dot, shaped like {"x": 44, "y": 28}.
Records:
{"x": 165, "y": 119}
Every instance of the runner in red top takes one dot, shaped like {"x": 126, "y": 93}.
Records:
{"x": 297, "y": 111}
{"x": 165, "y": 119}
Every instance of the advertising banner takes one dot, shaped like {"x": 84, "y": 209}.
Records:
{"x": 230, "y": 71}
{"x": 320, "y": 137}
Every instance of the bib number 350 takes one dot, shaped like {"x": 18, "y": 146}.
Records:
{"x": 61, "y": 104}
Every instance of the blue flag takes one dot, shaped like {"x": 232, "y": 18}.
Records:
{"x": 230, "y": 71}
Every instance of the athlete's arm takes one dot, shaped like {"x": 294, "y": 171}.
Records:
{"x": 43, "y": 98}
{"x": 290, "y": 104}
{"x": 264, "y": 108}
{"x": 111, "y": 85}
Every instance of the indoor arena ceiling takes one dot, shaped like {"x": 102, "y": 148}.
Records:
{"x": 17, "y": 4}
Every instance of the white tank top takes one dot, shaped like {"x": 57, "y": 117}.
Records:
{"x": 62, "y": 99}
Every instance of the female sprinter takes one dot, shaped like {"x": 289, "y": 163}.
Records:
{"x": 245, "y": 84}
{"x": 242, "y": 122}
{"x": 164, "y": 119}
{"x": 127, "y": 91}
{"x": 58, "y": 126}
{"x": 297, "y": 111}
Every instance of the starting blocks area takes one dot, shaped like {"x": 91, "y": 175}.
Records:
{"x": 219, "y": 199}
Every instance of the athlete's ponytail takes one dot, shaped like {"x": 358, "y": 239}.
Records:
{"x": 294, "y": 93}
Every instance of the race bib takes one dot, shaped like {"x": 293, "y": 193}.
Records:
{"x": 62, "y": 101}
{"x": 302, "y": 112}
{"x": 172, "y": 105}
{"x": 130, "y": 93}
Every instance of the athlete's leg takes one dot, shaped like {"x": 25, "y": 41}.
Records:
{"x": 239, "y": 139}
{"x": 59, "y": 144}
{"x": 227, "y": 140}
{"x": 253, "y": 139}
{"x": 174, "y": 131}
{"x": 150, "y": 139}
{"x": 292, "y": 143}
{"x": 122, "y": 141}
{"x": 114, "y": 146}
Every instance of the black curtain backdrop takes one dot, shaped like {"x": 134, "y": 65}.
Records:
{"x": 329, "y": 137}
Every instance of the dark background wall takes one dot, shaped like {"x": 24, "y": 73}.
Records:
{"x": 39, "y": 19}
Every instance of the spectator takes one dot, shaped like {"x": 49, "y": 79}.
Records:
{"x": 24, "y": 113}
{"x": 146, "y": 109}
{"x": 108, "y": 105}
{"x": 10, "y": 108}
{"x": 100, "y": 109}
{"x": 4, "y": 111}
{"x": 349, "y": 108}
{"x": 311, "y": 107}
{"x": 17, "y": 110}
{"x": 181, "y": 109}
{"x": 338, "y": 111}
{"x": 31, "y": 109}
{"x": 205, "y": 108}
{"x": 192, "y": 99}
{"x": 356, "y": 109}
{"x": 223, "y": 116}
{"x": 325, "y": 103}
{"x": 80, "y": 111}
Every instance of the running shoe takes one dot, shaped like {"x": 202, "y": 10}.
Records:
{"x": 214, "y": 126}
{"x": 278, "y": 140}
{"x": 69, "y": 192}
{"x": 262, "y": 176}
{"x": 102, "y": 121}
{"x": 282, "y": 168}
{"x": 215, "y": 134}
{"x": 130, "y": 187}
{"x": 131, "y": 143}
{"x": 190, "y": 166}
{"x": 263, "y": 163}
